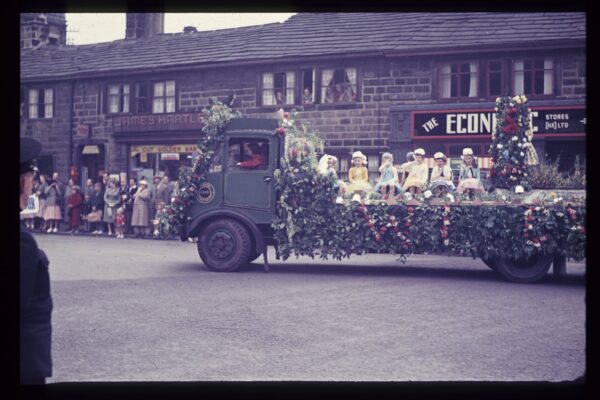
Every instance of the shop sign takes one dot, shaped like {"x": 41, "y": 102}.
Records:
{"x": 546, "y": 120}
{"x": 159, "y": 148}
{"x": 157, "y": 122}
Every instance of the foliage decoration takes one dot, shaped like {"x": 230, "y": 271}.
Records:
{"x": 214, "y": 120}
{"x": 511, "y": 148}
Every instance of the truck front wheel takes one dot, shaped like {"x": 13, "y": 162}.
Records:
{"x": 224, "y": 245}
{"x": 524, "y": 270}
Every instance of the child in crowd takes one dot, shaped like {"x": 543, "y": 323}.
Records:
{"x": 120, "y": 223}
{"x": 74, "y": 209}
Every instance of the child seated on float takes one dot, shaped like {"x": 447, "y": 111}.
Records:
{"x": 358, "y": 175}
{"x": 389, "y": 183}
{"x": 441, "y": 176}
{"x": 469, "y": 179}
{"x": 327, "y": 165}
{"x": 417, "y": 173}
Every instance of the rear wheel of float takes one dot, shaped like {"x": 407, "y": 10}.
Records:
{"x": 490, "y": 262}
{"x": 224, "y": 245}
{"x": 523, "y": 270}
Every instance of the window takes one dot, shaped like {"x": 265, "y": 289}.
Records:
{"x": 533, "y": 76}
{"x": 141, "y": 98}
{"x": 308, "y": 86}
{"x": 41, "y": 103}
{"x": 338, "y": 85}
{"x": 118, "y": 98}
{"x": 373, "y": 167}
{"x": 278, "y": 88}
{"x": 495, "y": 78}
{"x": 163, "y": 99}
{"x": 252, "y": 153}
{"x": 459, "y": 80}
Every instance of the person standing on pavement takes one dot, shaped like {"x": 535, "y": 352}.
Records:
{"x": 74, "y": 209}
{"x": 67, "y": 195}
{"x": 97, "y": 203}
{"x": 60, "y": 200}
{"x": 35, "y": 355}
{"x": 131, "y": 191}
{"x": 153, "y": 200}
{"x": 41, "y": 191}
{"x": 112, "y": 199}
{"x": 139, "y": 218}
{"x": 52, "y": 214}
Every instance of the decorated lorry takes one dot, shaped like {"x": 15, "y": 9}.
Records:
{"x": 255, "y": 183}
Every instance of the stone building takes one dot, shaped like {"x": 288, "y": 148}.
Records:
{"x": 373, "y": 82}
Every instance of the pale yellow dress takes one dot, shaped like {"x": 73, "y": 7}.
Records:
{"x": 359, "y": 180}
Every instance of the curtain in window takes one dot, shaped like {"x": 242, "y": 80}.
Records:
{"x": 48, "y": 99}
{"x": 33, "y": 103}
{"x": 125, "y": 98}
{"x": 113, "y": 98}
{"x": 351, "y": 74}
{"x": 289, "y": 88}
{"x": 474, "y": 70}
{"x": 446, "y": 80}
{"x": 170, "y": 92}
{"x": 548, "y": 76}
{"x": 325, "y": 82}
{"x": 268, "y": 94}
{"x": 518, "y": 87}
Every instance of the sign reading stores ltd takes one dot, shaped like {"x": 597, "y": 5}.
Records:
{"x": 546, "y": 120}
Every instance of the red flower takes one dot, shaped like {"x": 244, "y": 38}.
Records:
{"x": 407, "y": 223}
{"x": 383, "y": 229}
{"x": 444, "y": 235}
{"x": 281, "y": 131}
{"x": 286, "y": 114}
{"x": 371, "y": 224}
{"x": 361, "y": 209}
{"x": 366, "y": 218}
{"x": 410, "y": 210}
{"x": 530, "y": 218}
{"x": 378, "y": 238}
{"x": 444, "y": 228}
{"x": 396, "y": 229}
{"x": 581, "y": 229}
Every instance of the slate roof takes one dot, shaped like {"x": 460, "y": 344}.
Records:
{"x": 307, "y": 34}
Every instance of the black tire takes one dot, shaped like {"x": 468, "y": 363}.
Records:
{"x": 224, "y": 245}
{"x": 490, "y": 262}
{"x": 526, "y": 270}
{"x": 254, "y": 255}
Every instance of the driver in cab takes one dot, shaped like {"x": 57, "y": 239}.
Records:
{"x": 256, "y": 160}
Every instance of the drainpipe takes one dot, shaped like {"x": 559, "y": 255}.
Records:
{"x": 71, "y": 126}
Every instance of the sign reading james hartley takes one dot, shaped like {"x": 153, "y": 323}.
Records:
{"x": 569, "y": 120}
{"x": 157, "y": 122}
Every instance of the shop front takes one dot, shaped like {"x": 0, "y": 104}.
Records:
{"x": 559, "y": 129}
{"x": 158, "y": 144}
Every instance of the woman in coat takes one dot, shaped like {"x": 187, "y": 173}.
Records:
{"x": 74, "y": 207}
{"x": 97, "y": 204}
{"x": 112, "y": 198}
{"x": 52, "y": 212}
{"x": 139, "y": 217}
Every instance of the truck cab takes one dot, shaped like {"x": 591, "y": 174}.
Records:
{"x": 235, "y": 204}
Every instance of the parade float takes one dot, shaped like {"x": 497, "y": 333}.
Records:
{"x": 516, "y": 229}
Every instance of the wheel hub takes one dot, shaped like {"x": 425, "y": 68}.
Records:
{"x": 221, "y": 244}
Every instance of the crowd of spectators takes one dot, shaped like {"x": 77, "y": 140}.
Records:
{"x": 111, "y": 207}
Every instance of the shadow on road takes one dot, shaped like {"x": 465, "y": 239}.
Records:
{"x": 404, "y": 271}
{"x": 375, "y": 271}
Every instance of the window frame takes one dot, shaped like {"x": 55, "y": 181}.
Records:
{"x": 532, "y": 72}
{"x": 40, "y": 106}
{"x": 318, "y": 97}
{"x": 151, "y": 86}
{"x": 120, "y": 95}
{"x": 503, "y": 77}
{"x": 440, "y": 80}
{"x": 261, "y": 92}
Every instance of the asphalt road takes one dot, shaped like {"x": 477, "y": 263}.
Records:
{"x": 147, "y": 310}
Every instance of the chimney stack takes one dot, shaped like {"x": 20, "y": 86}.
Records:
{"x": 140, "y": 25}
{"x": 39, "y": 29}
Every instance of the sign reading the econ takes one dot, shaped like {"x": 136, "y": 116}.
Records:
{"x": 482, "y": 122}
{"x": 157, "y": 122}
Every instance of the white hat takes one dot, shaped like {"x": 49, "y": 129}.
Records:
{"x": 419, "y": 152}
{"x": 467, "y": 151}
{"x": 359, "y": 154}
{"x": 439, "y": 154}
{"x": 144, "y": 182}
